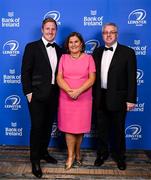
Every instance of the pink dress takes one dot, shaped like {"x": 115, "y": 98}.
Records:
{"x": 74, "y": 116}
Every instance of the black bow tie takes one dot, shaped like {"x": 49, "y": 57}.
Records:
{"x": 52, "y": 45}
{"x": 110, "y": 48}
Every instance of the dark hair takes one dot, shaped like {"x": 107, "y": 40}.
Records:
{"x": 79, "y": 36}
{"x": 49, "y": 19}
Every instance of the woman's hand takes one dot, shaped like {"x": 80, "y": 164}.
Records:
{"x": 74, "y": 93}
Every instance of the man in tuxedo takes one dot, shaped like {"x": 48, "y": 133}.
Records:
{"x": 114, "y": 94}
{"x": 39, "y": 69}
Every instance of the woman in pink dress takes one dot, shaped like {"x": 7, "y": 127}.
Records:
{"x": 76, "y": 75}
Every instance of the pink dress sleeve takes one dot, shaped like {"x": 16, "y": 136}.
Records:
{"x": 60, "y": 67}
{"x": 91, "y": 64}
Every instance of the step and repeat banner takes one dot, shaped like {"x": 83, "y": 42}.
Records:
{"x": 20, "y": 23}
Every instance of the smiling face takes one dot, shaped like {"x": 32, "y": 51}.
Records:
{"x": 74, "y": 45}
{"x": 49, "y": 31}
{"x": 109, "y": 35}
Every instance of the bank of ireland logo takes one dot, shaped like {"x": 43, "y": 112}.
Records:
{"x": 91, "y": 45}
{"x": 139, "y": 48}
{"x": 93, "y": 12}
{"x": 13, "y": 130}
{"x": 11, "y": 77}
{"x": 10, "y": 14}
{"x": 11, "y": 48}
{"x": 11, "y": 21}
{"x": 137, "y": 17}
{"x": 93, "y": 19}
{"x": 140, "y": 74}
{"x": 53, "y": 14}
{"x": 12, "y": 102}
{"x": 14, "y": 124}
{"x": 133, "y": 132}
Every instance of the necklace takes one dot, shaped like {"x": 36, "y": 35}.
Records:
{"x": 76, "y": 56}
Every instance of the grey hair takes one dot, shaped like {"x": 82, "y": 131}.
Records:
{"x": 110, "y": 24}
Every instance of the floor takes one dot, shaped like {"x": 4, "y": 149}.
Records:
{"x": 15, "y": 164}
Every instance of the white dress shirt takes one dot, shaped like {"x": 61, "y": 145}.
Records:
{"x": 51, "y": 51}
{"x": 105, "y": 64}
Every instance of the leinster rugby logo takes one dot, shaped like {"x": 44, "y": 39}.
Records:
{"x": 53, "y": 14}
{"x": 10, "y": 48}
{"x": 140, "y": 75}
{"x": 12, "y": 102}
{"x": 137, "y": 17}
{"x": 91, "y": 45}
{"x": 133, "y": 132}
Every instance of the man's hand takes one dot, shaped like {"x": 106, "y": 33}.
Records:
{"x": 29, "y": 97}
{"x": 130, "y": 106}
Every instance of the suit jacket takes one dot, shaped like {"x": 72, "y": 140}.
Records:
{"x": 36, "y": 70}
{"x": 121, "y": 82}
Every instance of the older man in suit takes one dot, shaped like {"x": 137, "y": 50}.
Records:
{"x": 114, "y": 94}
{"x": 39, "y": 69}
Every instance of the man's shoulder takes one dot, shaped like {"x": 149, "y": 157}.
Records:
{"x": 33, "y": 43}
{"x": 58, "y": 46}
{"x": 125, "y": 48}
{"x": 98, "y": 49}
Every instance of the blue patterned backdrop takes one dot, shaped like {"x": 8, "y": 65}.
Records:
{"x": 21, "y": 23}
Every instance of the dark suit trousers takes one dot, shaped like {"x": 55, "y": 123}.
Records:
{"x": 111, "y": 130}
{"x": 42, "y": 117}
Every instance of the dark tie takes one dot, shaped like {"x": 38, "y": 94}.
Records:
{"x": 52, "y": 45}
{"x": 110, "y": 48}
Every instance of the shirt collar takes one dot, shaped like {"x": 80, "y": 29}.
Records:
{"x": 114, "y": 46}
{"x": 45, "y": 41}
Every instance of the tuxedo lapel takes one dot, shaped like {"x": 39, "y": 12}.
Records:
{"x": 42, "y": 46}
{"x": 57, "y": 52}
{"x": 115, "y": 57}
{"x": 99, "y": 61}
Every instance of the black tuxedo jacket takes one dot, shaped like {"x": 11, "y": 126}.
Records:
{"x": 121, "y": 82}
{"x": 36, "y": 70}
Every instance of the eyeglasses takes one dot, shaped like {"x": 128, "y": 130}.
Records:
{"x": 110, "y": 33}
